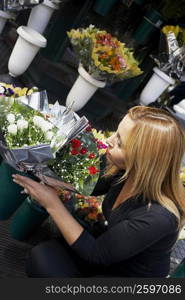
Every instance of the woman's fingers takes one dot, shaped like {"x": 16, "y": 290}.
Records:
{"x": 23, "y": 181}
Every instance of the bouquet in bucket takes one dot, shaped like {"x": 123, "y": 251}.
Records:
{"x": 103, "y": 56}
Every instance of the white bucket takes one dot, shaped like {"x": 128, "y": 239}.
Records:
{"x": 83, "y": 89}
{"x": 155, "y": 86}
{"x": 26, "y": 47}
{"x": 40, "y": 15}
{"x": 4, "y": 16}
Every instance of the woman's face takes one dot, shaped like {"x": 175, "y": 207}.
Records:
{"x": 115, "y": 151}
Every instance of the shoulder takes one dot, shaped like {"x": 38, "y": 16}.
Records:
{"x": 156, "y": 214}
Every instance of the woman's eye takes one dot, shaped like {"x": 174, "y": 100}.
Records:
{"x": 118, "y": 142}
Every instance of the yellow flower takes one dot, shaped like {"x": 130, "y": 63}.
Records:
{"x": 175, "y": 29}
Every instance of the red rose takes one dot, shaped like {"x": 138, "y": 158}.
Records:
{"x": 88, "y": 128}
{"x": 93, "y": 170}
{"x": 91, "y": 155}
{"x": 75, "y": 143}
{"x": 83, "y": 150}
{"x": 74, "y": 152}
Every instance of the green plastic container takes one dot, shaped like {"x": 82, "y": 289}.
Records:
{"x": 103, "y": 7}
{"x": 10, "y": 196}
{"x": 27, "y": 219}
{"x": 151, "y": 22}
{"x": 179, "y": 271}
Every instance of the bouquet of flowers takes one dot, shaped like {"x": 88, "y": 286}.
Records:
{"x": 103, "y": 56}
{"x": 30, "y": 138}
{"x": 78, "y": 162}
{"x": 87, "y": 209}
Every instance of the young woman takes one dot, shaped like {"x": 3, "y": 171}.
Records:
{"x": 144, "y": 206}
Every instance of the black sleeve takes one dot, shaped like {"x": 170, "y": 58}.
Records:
{"x": 103, "y": 183}
{"x": 125, "y": 239}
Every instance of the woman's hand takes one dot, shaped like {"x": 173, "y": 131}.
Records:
{"x": 48, "y": 198}
{"x": 45, "y": 195}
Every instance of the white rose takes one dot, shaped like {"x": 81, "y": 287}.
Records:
{"x": 46, "y": 126}
{"x": 11, "y": 118}
{"x": 49, "y": 135}
{"x": 22, "y": 124}
{"x": 12, "y": 129}
{"x": 37, "y": 121}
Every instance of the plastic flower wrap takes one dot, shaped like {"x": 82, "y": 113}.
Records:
{"x": 26, "y": 135}
{"x": 17, "y": 5}
{"x": 103, "y": 56}
{"x": 171, "y": 58}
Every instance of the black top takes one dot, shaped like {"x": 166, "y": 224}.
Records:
{"x": 137, "y": 241}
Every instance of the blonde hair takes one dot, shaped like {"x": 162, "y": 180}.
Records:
{"x": 154, "y": 151}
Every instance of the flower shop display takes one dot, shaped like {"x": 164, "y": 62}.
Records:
{"x": 170, "y": 67}
{"x": 41, "y": 14}
{"x": 102, "y": 58}
{"x": 27, "y": 46}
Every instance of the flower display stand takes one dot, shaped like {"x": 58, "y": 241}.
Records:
{"x": 4, "y": 16}
{"x": 155, "y": 86}
{"x": 83, "y": 89}
{"x": 27, "y": 219}
{"x": 40, "y": 16}
{"x": 26, "y": 47}
{"x": 10, "y": 196}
